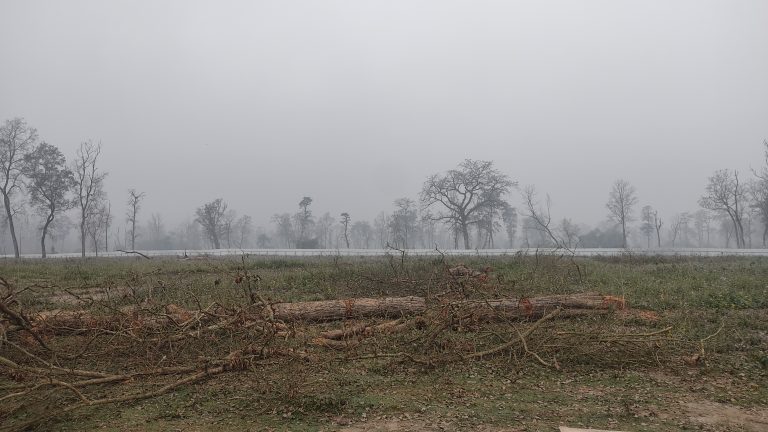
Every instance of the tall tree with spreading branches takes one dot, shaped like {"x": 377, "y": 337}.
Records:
{"x": 466, "y": 194}
{"x": 16, "y": 140}
{"x": 621, "y": 202}
{"x": 89, "y": 185}
{"x": 211, "y": 217}
{"x": 50, "y": 183}
{"x": 727, "y": 195}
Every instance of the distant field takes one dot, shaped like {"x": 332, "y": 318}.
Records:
{"x": 690, "y": 353}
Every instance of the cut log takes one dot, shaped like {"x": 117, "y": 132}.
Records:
{"x": 331, "y": 310}
{"x": 537, "y": 307}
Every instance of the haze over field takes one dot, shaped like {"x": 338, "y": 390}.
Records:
{"x": 356, "y": 103}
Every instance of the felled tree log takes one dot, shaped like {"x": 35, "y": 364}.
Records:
{"x": 537, "y": 307}
{"x": 332, "y": 310}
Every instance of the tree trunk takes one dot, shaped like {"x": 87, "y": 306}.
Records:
{"x": 48, "y": 221}
{"x": 623, "y": 234}
{"x": 536, "y": 307}
{"x": 9, "y": 215}
{"x": 82, "y": 232}
{"x": 133, "y": 231}
{"x": 465, "y": 234}
{"x": 330, "y": 310}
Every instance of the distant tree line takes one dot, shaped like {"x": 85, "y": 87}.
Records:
{"x": 469, "y": 206}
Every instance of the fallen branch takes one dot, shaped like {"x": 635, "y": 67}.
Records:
{"x": 509, "y": 344}
{"x": 133, "y": 252}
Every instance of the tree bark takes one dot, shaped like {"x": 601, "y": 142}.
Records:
{"x": 48, "y": 221}
{"x": 537, "y": 307}
{"x": 82, "y": 233}
{"x": 9, "y": 214}
{"x": 465, "y": 234}
{"x": 331, "y": 310}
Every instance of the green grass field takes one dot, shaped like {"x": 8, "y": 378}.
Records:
{"x": 611, "y": 375}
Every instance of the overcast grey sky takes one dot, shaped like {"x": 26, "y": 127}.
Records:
{"x": 355, "y": 102}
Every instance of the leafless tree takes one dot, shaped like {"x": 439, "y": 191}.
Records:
{"x": 759, "y": 193}
{"x": 134, "y": 204}
{"x": 402, "y": 223}
{"x": 647, "y": 215}
{"x": 678, "y": 227}
{"x": 89, "y": 184}
{"x": 211, "y": 217}
{"x": 702, "y": 221}
{"x": 539, "y": 218}
{"x": 570, "y": 233}
{"x": 381, "y": 225}
{"x": 465, "y": 193}
{"x": 726, "y": 194}
{"x": 324, "y": 224}
{"x": 284, "y": 229}
{"x": 509, "y": 217}
{"x": 243, "y": 228}
{"x": 362, "y": 232}
{"x": 228, "y": 222}
{"x": 95, "y": 223}
{"x": 16, "y": 139}
{"x": 345, "y": 218}
{"x": 50, "y": 183}
{"x": 156, "y": 230}
{"x": 621, "y": 201}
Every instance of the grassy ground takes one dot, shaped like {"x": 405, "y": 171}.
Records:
{"x": 628, "y": 387}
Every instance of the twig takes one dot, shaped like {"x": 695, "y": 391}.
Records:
{"x": 512, "y": 342}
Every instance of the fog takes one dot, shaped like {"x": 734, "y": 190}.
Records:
{"x": 356, "y": 103}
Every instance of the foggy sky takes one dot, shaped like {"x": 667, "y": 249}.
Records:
{"x": 355, "y": 103}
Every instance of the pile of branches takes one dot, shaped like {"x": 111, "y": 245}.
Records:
{"x": 47, "y": 359}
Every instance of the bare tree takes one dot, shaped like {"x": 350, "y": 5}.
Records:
{"x": 362, "y": 232}
{"x": 156, "y": 230}
{"x": 702, "y": 221}
{"x": 284, "y": 229}
{"x": 759, "y": 193}
{"x": 89, "y": 184}
{"x": 539, "y": 219}
{"x": 16, "y": 139}
{"x": 509, "y": 217}
{"x": 228, "y": 222}
{"x": 345, "y": 218}
{"x": 647, "y": 215}
{"x": 570, "y": 233}
{"x": 402, "y": 223}
{"x": 324, "y": 224}
{"x": 211, "y": 217}
{"x": 725, "y": 194}
{"x": 243, "y": 228}
{"x": 134, "y": 204}
{"x": 621, "y": 201}
{"x": 49, "y": 183}
{"x": 678, "y": 227}
{"x": 95, "y": 223}
{"x": 465, "y": 193}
